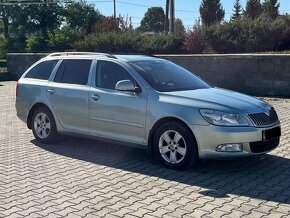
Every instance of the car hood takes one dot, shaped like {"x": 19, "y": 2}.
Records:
{"x": 218, "y": 99}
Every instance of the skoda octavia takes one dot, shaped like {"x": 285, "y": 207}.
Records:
{"x": 144, "y": 101}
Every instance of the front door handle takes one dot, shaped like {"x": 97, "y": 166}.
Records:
{"x": 50, "y": 91}
{"x": 95, "y": 97}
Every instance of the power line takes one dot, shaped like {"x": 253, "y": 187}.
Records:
{"x": 27, "y": 2}
{"x": 149, "y": 6}
{"x": 127, "y": 3}
{"x": 187, "y": 11}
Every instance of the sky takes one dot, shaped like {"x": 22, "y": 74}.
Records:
{"x": 186, "y": 10}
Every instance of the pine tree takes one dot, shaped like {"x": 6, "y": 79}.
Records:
{"x": 237, "y": 11}
{"x": 271, "y": 8}
{"x": 253, "y": 9}
{"x": 153, "y": 20}
{"x": 211, "y": 12}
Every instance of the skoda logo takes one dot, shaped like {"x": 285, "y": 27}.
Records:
{"x": 267, "y": 113}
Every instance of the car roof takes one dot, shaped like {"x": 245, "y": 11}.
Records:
{"x": 125, "y": 58}
{"x": 130, "y": 58}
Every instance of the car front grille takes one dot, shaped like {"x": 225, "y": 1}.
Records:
{"x": 261, "y": 146}
{"x": 262, "y": 119}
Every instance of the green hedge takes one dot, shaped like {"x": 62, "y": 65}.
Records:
{"x": 129, "y": 43}
{"x": 247, "y": 35}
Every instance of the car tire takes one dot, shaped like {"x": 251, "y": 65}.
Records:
{"x": 175, "y": 147}
{"x": 43, "y": 126}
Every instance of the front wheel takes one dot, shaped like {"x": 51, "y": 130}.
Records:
{"x": 43, "y": 125}
{"x": 175, "y": 146}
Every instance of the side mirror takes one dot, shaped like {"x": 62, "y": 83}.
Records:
{"x": 127, "y": 86}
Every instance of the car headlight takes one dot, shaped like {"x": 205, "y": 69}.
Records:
{"x": 220, "y": 118}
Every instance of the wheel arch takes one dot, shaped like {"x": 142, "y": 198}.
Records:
{"x": 159, "y": 123}
{"x": 31, "y": 112}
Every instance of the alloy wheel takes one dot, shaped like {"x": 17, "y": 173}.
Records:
{"x": 42, "y": 125}
{"x": 172, "y": 146}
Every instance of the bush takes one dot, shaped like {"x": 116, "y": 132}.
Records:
{"x": 106, "y": 42}
{"x": 194, "y": 41}
{"x": 159, "y": 44}
{"x": 62, "y": 39}
{"x": 284, "y": 40}
{"x": 35, "y": 44}
{"x": 129, "y": 43}
{"x": 245, "y": 35}
{"x": 3, "y": 46}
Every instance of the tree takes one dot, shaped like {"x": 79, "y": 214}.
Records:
{"x": 82, "y": 15}
{"x": 46, "y": 16}
{"x": 24, "y": 20}
{"x": 237, "y": 11}
{"x": 4, "y": 16}
{"x": 153, "y": 20}
{"x": 20, "y": 25}
{"x": 253, "y": 9}
{"x": 271, "y": 8}
{"x": 179, "y": 28}
{"x": 211, "y": 12}
{"x": 124, "y": 23}
{"x": 110, "y": 24}
{"x": 1, "y": 27}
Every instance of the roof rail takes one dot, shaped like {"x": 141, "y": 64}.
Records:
{"x": 79, "y": 53}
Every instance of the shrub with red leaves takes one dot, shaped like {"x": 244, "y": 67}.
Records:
{"x": 284, "y": 42}
{"x": 194, "y": 41}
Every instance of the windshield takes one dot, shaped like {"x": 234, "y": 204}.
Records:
{"x": 165, "y": 76}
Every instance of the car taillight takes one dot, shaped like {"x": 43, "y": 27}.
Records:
{"x": 16, "y": 88}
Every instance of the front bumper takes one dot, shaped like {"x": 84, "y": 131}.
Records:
{"x": 209, "y": 137}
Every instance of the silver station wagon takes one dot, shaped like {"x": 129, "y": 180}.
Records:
{"x": 144, "y": 101}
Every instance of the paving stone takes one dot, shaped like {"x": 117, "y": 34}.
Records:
{"x": 141, "y": 212}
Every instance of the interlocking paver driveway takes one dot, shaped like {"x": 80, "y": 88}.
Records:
{"x": 78, "y": 178}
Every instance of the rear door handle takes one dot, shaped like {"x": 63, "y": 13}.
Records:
{"x": 50, "y": 91}
{"x": 95, "y": 97}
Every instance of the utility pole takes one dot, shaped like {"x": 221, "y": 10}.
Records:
{"x": 115, "y": 22}
{"x": 171, "y": 16}
{"x": 115, "y": 10}
{"x": 166, "y": 16}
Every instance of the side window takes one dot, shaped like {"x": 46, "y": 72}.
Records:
{"x": 109, "y": 73}
{"x": 42, "y": 70}
{"x": 59, "y": 73}
{"x": 73, "y": 72}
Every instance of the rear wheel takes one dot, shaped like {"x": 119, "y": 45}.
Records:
{"x": 43, "y": 125}
{"x": 175, "y": 146}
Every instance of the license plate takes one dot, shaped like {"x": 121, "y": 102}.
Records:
{"x": 271, "y": 133}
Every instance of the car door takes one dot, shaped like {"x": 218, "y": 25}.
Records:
{"x": 68, "y": 94}
{"x": 116, "y": 114}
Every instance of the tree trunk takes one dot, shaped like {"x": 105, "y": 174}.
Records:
{"x": 5, "y": 20}
{"x": 5, "y": 26}
{"x": 44, "y": 21}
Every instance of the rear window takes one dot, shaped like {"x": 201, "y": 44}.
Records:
{"x": 42, "y": 70}
{"x": 73, "y": 72}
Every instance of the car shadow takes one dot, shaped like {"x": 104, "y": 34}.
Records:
{"x": 264, "y": 177}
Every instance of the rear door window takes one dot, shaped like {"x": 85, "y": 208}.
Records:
{"x": 42, "y": 70}
{"x": 73, "y": 72}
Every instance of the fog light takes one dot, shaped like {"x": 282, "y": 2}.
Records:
{"x": 230, "y": 147}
